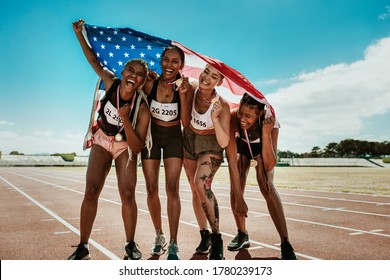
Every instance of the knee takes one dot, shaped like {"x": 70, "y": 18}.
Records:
{"x": 268, "y": 191}
{"x": 127, "y": 196}
{"x": 202, "y": 190}
{"x": 92, "y": 192}
{"x": 172, "y": 189}
{"x": 152, "y": 190}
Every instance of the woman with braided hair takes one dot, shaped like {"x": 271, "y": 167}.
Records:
{"x": 253, "y": 143}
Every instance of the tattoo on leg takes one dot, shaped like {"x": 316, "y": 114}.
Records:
{"x": 213, "y": 164}
{"x": 214, "y": 224}
{"x": 216, "y": 214}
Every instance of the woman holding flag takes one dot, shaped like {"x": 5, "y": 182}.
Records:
{"x": 253, "y": 143}
{"x": 120, "y": 134}
{"x": 169, "y": 97}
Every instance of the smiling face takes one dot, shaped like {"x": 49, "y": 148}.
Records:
{"x": 133, "y": 75}
{"x": 171, "y": 64}
{"x": 209, "y": 78}
{"x": 248, "y": 116}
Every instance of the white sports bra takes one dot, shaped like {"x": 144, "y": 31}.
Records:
{"x": 201, "y": 121}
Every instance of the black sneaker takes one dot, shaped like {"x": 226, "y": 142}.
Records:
{"x": 81, "y": 253}
{"x": 287, "y": 251}
{"x": 216, "y": 249}
{"x": 241, "y": 240}
{"x": 205, "y": 242}
{"x": 132, "y": 252}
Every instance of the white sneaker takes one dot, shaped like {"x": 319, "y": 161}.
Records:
{"x": 159, "y": 244}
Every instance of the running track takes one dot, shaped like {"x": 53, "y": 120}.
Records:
{"x": 39, "y": 219}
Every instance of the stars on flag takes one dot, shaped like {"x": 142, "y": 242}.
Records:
{"x": 115, "y": 46}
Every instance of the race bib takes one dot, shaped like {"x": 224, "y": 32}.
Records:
{"x": 111, "y": 114}
{"x": 164, "y": 111}
{"x": 201, "y": 122}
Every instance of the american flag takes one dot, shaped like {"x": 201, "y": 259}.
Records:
{"x": 115, "y": 46}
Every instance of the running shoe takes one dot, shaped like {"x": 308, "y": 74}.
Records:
{"x": 216, "y": 249}
{"x": 132, "y": 252}
{"x": 173, "y": 251}
{"x": 159, "y": 244}
{"x": 287, "y": 251}
{"x": 81, "y": 253}
{"x": 241, "y": 240}
{"x": 205, "y": 242}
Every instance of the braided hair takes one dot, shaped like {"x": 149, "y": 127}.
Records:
{"x": 251, "y": 102}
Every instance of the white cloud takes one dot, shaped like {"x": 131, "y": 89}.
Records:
{"x": 386, "y": 14}
{"x": 331, "y": 103}
{"x": 2, "y": 122}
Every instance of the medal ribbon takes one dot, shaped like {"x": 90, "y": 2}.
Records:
{"x": 117, "y": 107}
{"x": 248, "y": 142}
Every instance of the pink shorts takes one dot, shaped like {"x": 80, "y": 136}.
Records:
{"x": 108, "y": 142}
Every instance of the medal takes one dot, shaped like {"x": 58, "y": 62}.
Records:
{"x": 253, "y": 162}
{"x": 178, "y": 82}
{"x": 118, "y": 137}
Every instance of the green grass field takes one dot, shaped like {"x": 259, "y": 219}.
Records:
{"x": 361, "y": 180}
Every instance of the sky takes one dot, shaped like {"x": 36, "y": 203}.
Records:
{"x": 324, "y": 65}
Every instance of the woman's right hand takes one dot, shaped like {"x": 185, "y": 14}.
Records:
{"x": 78, "y": 25}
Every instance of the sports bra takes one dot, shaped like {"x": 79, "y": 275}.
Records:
{"x": 201, "y": 121}
{"x": 166, "y": 112}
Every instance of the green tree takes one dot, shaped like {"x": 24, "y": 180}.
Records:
{"x": 316, "y": 152}
{"x": 330, "y": 150}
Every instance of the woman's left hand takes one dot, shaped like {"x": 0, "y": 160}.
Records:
{"x": 268, "y": 124}
{"x": 217, "y": 108}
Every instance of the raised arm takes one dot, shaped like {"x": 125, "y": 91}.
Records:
{"x": 106, "y": 75}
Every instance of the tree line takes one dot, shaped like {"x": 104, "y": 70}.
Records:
{"x": 348, "y": 148}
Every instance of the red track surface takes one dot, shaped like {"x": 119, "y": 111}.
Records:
{"x": 39, "y": 219}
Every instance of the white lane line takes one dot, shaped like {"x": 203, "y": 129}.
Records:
{"x": 47, "y": 220}
{"x": 339, "y": 209}
{"x": 101, "y": 248}
{"x": 222, "y": 207}
{"x": 333, "y": 209}
{"x": 166, "y": 217}
{"x": 254, "y": 248}
{"x": 62, "y": 232}
{"x": 333, "y": 198}
{"x": 280, "y": 193}
{"x": 361, "y": 232}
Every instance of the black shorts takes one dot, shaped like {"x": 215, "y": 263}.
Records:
{"x": 167, "y": 139}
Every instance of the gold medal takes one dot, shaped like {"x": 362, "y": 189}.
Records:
{"x": 118, "y": 137}
{"x": 253, "y": 163}
{"x": 178, "y": 82}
